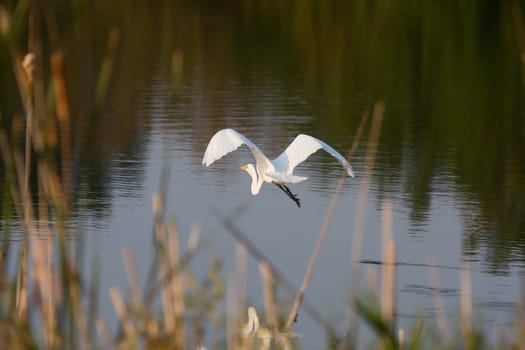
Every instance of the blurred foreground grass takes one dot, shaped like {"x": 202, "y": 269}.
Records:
{"x": 47, "y": 301}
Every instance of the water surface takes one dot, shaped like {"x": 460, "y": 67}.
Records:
{"x": 450, "y": 154}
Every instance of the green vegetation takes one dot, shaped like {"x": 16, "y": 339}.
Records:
{"x": 450, "y": 73}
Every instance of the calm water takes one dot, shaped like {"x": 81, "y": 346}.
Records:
{"x": 450, "y": 155}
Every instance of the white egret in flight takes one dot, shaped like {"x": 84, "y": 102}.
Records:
{"x": 278, "y": 171}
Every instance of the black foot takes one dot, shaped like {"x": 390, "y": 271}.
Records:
{"x": 290, "y": 194}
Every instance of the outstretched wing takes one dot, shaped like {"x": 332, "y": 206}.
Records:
{"x": 301, "y": 148}
{"x": 226, "y": 141}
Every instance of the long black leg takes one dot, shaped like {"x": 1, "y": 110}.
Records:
{"x": 289, "y": 193}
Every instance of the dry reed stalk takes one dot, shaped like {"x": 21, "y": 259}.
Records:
{"x": 164, "y": 265}
{"x": 438, "y": 302}
{"x": 125, "y": 320}
{"x": 42, "y": 283}
{"x": 360, "y": 215}
{"x": 103, "y": 335}
{"x": 172, "y": 284}
{"x": 162, "y": 278}
{"x": 51, "y": 279}
{"x": 131, "y": 270}
{"x": 29, "y": 69}
{"x": 42, "y": 272}
{"x": 176, "y": 286}
{"x": 34, "y": 65}
{"x": 43, "y": 208}
{"x": 240, "y": 273}
{"x": 401, "y": 338}
{"x": 371, "y": 280}
{"x": 75, "y": 296}
{"x": 21, "y": 76}
{"x": 270, "y": 305}
{"x": 157, "y": 203}
{"x": 240, "y": 286}
{"x": 194, "y": 238}
{"x": 29, "y": 130}
{"x": 232, "y": 313}
{"x": 158, "y": 224}
{"x": 23, "y": 69}
{"x": 21, "y": 294}
{"x": 52, "y": 185}
{"x": 27, "y": 214}
{"x": 9, "y": 164}
{"x": 64, "y": 122}
{"x": 359, "y": 223}
{"x": 388, "y": 273}
{"x": 324, "y": 231}
{"x": 24, "y": 208}
{"x": 21, "y": 285}
{"x": 106, "y": 69}
{"x": 465, "y": 303}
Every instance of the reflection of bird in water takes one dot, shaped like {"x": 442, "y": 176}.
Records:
{"x": 253, "y": 325}
{"x": 252, "y": 330}
{"x": 278, "y": 171}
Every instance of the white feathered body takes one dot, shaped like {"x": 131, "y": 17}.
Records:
{"x": 279, "y": 170}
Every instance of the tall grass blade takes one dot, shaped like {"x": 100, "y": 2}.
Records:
{"x": 388, "y": 274}
{"x": 322, "y": 234}
{"x": 359, "y": 223}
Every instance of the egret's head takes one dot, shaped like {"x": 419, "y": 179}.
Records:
{"x": 248, "y": 167}
{"x": 257, "y": 181}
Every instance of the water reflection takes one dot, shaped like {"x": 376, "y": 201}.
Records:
{"x": 451, "y": 153}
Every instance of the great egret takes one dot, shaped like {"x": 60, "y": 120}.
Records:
{"x": 278, "y": 171}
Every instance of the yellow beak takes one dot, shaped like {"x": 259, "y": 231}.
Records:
{"x": 244, "y": 167}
